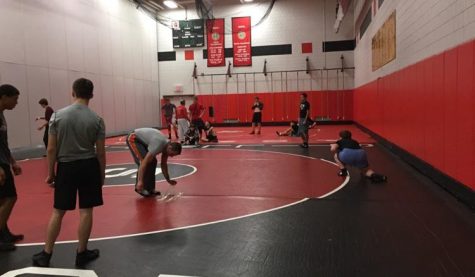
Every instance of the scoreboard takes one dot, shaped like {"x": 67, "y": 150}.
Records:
{"x": 188, "y": 33}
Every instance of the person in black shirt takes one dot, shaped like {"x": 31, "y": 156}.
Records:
{"x": 8, "y": 167}
{"x": 304, "y": 115}
{"x": 48, "y": 113}
{"x": 257, "y": 116}
{"x": 349, "y": 152}
{"x": 168, "y": 110}
{"x": 292, "y": 131}
{"x": 210, "y": 133}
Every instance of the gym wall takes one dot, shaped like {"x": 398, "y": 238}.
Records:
{"x": 47, "y": 44}
{"x": 421, "y": 102}
{"x": 290, "y": 23}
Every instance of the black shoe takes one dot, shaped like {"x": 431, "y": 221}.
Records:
{"x": 378, "y": 178}
{"x": 41, "y": 259}
{"x": 277, "y": 132}
{"x": 7, "y": 236}
{"x": 146, "y": 193}
{"x": 86, "y": 256}
{"x": 343, "y": 172}
{"x": 7, "y": 246}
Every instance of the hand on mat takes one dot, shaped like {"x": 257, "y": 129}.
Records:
{"x": 171, "y": 182}
{"x": 16, "y": 169}
{"x": 2, "y": 177}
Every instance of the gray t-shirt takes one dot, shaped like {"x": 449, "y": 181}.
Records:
{"x": 153, "y": 138}
{"x": 77, "y": 129}
{"x": 5, "y": 155}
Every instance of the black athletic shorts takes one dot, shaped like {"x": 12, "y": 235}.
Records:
{"x": 83, "y": 178}
{"x": 257, "y": 118}
{"x": 199, "y": 124}
{"x": 8, "y": 189}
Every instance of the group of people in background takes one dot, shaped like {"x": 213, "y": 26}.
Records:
{"x": 296, "y": 129}
{"x": 188, "y": 124}
{"x": 347, "y": 151}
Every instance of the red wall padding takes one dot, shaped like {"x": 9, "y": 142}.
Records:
{"x": 428, "y": 109}
{"x": 279, "y": 106}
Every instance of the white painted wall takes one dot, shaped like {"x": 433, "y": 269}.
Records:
{"x": 423, "y": 28}
{"x": 47, "y": 44}
{"x": 290, "y": 22}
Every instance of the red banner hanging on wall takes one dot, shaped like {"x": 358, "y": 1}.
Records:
{"x": 215, "y": 39}
{"x": 242, "y": 55}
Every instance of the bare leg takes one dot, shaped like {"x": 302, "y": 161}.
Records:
{"x": 253, "y": 129}
{"x": 258, "y": 128}
{"x": 338, "y": 162}
{"x": 169, "y": 127}
{"x": 175, "y": 130}
{"x": 54, "y": 227}
{"x": 85, "y": 227}
{"x": 367, "y": 171}
{"x": 304, "y": 137}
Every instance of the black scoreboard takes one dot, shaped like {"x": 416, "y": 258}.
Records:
{"x": 188, "y": 33}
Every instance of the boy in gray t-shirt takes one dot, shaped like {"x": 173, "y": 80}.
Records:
{"x": 76, "y": 162}
{"x": 145, "y": 144}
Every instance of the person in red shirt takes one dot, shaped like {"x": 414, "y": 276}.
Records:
{"x": 197, "y": 111}
{"x": 182, "y": 120}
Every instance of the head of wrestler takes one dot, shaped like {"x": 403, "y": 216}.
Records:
{"x": 173, "y": 149}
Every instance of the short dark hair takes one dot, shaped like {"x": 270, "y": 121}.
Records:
{"x": 304, "y": 94}
{"x": 182, "y": 102}
{"x": 345, "y": 134}
{"x": 83, "y": 88}
{"x": 176, "y": 147}
{"x": 43, "y": 101}
{"x": 8, "y": 90}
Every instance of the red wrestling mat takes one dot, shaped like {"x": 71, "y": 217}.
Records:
{"x": 226, "y": 184}
{"x": 321, "y": 134}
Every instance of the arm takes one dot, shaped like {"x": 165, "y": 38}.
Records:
{"x": 164, "y": 166}
{"x": 101, "y": 157}
{"x": 51, "y": 157}
{"x": 334, "y": 147}
{"x": 202, "y": 112}
{"x": 307, "y": 115}
{"x": 16, "y": 168}
{"x": 43, "y": 126}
